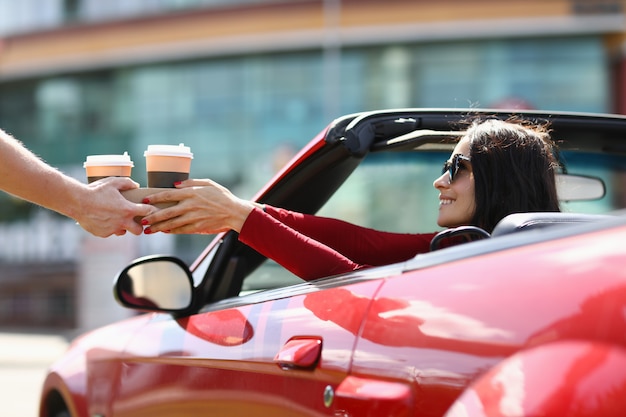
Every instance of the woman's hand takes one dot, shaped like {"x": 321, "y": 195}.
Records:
{"x": 203, "y": 206}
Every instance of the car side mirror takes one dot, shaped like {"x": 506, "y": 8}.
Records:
{"x": 155, "y": 283}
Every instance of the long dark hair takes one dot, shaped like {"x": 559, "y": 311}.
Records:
{"x": 514, "y": 167}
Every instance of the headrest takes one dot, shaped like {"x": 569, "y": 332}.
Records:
{"x": 526, "y": 221}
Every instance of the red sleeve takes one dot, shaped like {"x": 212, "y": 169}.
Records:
{"x": 360, "y": 244}
{"x": 298, "y": 253}
{"x": 313, "y": 247}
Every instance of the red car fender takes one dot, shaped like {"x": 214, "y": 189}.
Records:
{"x": 66, "y": 382}
{"x": 68, "y": 378}
{"x": 573, "y": 378}
{"x": 73, "y": 397}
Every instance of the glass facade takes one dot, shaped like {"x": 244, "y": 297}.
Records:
{"x": 549, "y": 74}
{"x": 33, "y": 15}
{"x": 28, "y": 15}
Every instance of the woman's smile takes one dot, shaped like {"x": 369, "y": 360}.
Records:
{"x": 456, "y": 199}
{"x": 445, "y": 201}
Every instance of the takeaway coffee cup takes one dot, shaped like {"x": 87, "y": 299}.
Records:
{"x": 167, "y": 164}
{"x": 102, "y": 166}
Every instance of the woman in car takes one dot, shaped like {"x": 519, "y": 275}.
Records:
{"x": 497, "y": 168}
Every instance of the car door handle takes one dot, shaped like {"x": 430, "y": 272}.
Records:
{"x": 299, "y": 352}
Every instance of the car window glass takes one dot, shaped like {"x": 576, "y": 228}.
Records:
{"x": 269, "y": 275}
{"x": 200, "y": 271}
{"x": 391, "y": 191}
{"x": 388, "y": 191}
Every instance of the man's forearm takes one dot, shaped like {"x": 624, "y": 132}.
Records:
{"x": 25, "y": 175}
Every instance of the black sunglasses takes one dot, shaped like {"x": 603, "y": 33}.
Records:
{"x": 452, "y": 166}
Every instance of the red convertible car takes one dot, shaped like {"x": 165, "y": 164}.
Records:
{"x": 530, "y": 320}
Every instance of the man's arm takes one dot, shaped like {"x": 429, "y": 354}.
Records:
{"x": 99, "y": 207}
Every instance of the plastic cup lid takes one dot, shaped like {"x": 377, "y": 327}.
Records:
{"x": 169, "y": 150}
{"x": 108, "y": 160}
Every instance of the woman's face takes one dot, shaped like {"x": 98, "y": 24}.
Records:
{"x": 457, "y": 201}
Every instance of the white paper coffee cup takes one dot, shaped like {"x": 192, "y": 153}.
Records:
{"x": 167, "y": 164}
{"x": 102, "y": 166}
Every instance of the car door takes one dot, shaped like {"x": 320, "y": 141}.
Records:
{"x": 277, "y": 352}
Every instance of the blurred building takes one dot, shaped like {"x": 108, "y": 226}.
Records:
{"x": 239, "y": 80}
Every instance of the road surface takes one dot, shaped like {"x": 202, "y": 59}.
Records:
{"x": 24, "y": 359}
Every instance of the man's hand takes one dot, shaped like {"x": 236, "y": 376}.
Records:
{"x": 104, "y": 211}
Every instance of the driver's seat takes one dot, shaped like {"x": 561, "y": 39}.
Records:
{"x": 518, "y": 222}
